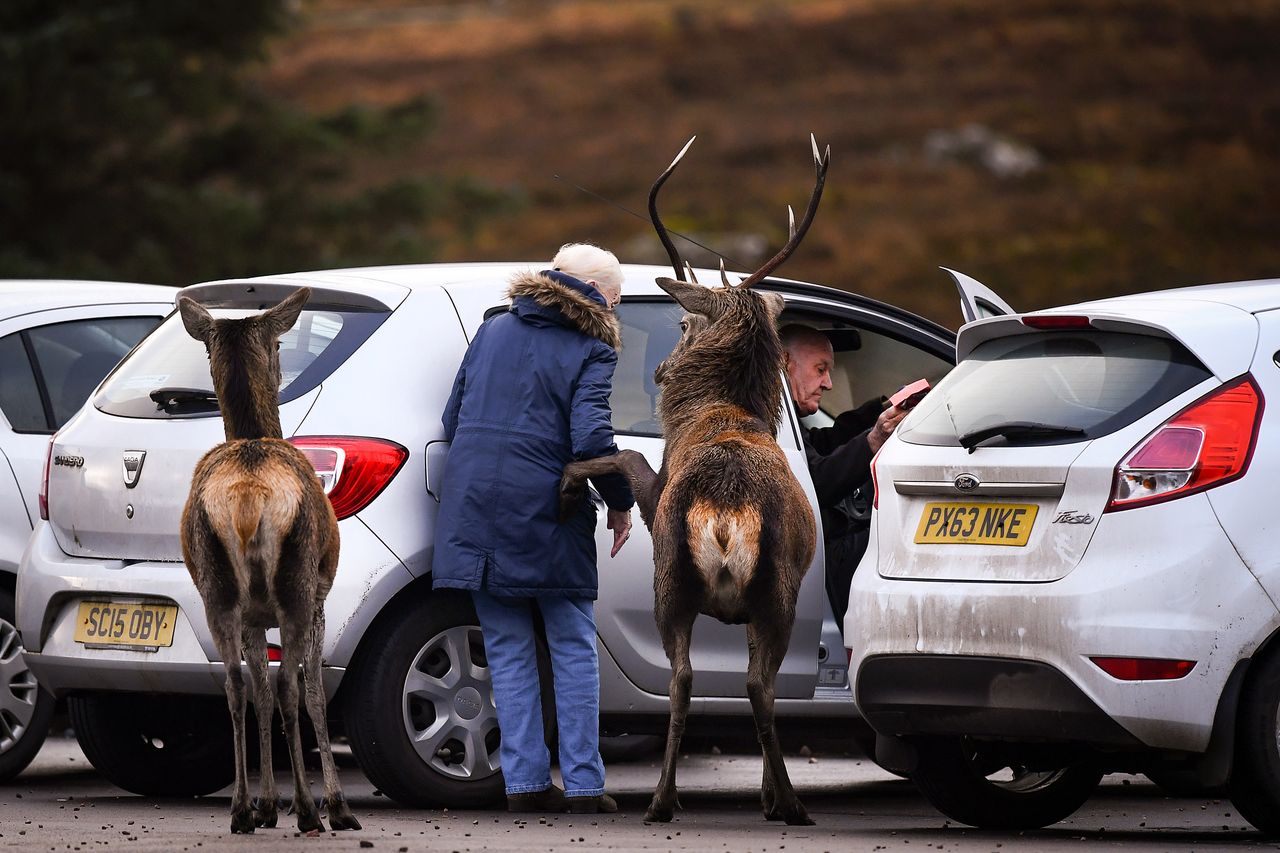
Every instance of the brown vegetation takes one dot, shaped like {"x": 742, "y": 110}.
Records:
{"x": 1157, "y": 123}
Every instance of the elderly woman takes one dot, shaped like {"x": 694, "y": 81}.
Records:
{"x": 532, "y": 394}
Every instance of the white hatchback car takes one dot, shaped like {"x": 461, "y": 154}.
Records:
{"x": 1072, "y": 566}
{"x": 57, "y": 340}
{"x": 111, "y": 619}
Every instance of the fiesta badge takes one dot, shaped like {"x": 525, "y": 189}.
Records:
{"x": 133, "y": 460}
{"x": 965, "y": 483}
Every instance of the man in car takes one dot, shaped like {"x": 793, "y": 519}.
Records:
{"x": 839, "y": 456}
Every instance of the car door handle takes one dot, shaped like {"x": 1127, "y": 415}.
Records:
{"x": 437, "y": 458}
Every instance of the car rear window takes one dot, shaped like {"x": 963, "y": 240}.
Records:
{"x": 1058, "y": 387}
{"x": 167, "y": 376}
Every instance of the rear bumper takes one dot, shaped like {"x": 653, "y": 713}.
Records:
{"x": 51, "y": 586}
{"x": 905, "y": 695}
{"x": 1157, "y": 582}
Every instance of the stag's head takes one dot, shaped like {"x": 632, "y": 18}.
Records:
{"x": 729, "y": 304}
{"x": 244, "y": 360}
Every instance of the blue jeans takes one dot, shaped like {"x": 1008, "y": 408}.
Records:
{"x": 509, "y": 645}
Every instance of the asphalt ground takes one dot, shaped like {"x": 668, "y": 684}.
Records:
{"x": 61, "y": 804}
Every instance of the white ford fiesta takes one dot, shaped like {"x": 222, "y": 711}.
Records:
{"x": 1072, "y": 567}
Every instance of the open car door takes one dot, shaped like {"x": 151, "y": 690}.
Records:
{"x": 977, "y": 301}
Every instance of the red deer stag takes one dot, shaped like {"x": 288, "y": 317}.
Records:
{"x": 261, "y": 542}
{"x": 733, "y": 533}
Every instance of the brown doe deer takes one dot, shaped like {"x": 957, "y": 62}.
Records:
{"x": 733, "y": 533}
{"x": 261, "y": 542}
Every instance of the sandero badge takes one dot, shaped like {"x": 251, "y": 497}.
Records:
{"x": 133, "y": 460}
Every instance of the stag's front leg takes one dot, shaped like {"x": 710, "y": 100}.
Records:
{"x": 628, "y": 463}
{"x": 335, "y": 804}
{"x": 675, "y": 623}
{"x": 767, "y": 641}
{"x": 255, "y": 654}
{"x": 225, "y": 628}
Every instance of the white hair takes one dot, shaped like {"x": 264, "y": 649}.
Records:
{"x": 589, "y": 263}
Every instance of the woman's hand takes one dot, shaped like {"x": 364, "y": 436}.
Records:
{"x": 619, "y": 521}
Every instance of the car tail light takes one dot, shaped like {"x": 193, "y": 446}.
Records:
{"x": 875, "y": 483}
{"x": 44, "y": 481}
{"x": 1205, "y": 445}
{"x": 1143, "y": 669}
{"x": 352, "y": 470}
{"x": 1056, "y": 321}
{"x": 273, "y": 654}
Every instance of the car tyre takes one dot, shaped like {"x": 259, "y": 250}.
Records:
{"x": 25, "y": 707}
{"x": 418, "y": 706}
{"x": 1255, "y": 775}
{"x": 156, "y": 745}
{"x": 966, "y": 786}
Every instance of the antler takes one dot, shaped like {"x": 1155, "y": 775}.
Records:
{"x": 676, "y": 263}
{"x": 820, "y": 162}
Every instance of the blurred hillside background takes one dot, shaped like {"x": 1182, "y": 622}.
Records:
{"x": 1057, "y": 150}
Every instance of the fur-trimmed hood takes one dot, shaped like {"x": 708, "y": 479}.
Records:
{"x": 578, "y": 304}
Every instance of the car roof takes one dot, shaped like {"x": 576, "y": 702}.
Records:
{"x": 483, "y": 280}
{"x": 1251, "y": 296}
{"x": 23, "y": 296}
{"x": 484, "y": 274}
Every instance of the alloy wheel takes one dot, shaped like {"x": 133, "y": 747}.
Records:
{"x": 18, "y": 689}
{"x": 447, "y": 700}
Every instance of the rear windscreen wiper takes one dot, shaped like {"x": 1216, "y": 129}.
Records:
{"x": 1016, "y": 429}
{"x": 175, "y": 399}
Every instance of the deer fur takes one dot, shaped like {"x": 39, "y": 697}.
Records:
{"x": 733, "y": 532}
{"x": 260, "y": 540}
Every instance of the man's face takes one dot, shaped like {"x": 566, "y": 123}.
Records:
{"x": 809, "y": 374}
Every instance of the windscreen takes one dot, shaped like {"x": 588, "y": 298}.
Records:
{"x": 1052, "y": 388}
{"x": 168, "y": 374}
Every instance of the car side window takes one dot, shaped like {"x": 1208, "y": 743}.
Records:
{"x": 73, "y": 357}
{"x": 19, "y": 392}
{"x": 879, "y": 366}
{"x": 649, "y": 331}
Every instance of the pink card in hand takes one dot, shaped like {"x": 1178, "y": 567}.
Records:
{"x": 909, "y": 395}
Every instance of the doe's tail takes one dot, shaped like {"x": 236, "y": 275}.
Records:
{"x": 247, "y": 503}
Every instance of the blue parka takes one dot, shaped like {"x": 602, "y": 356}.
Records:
{"x": 532, "y": 394}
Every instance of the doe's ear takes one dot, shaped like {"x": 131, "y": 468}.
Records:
{"x": 693, "y": 298}
{"x": 282, "y": 317}
{"x": 195, "y": 318}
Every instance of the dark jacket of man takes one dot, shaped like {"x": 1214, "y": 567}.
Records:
{"x": 839, "y": 461}
{"x": 532, "y": 394}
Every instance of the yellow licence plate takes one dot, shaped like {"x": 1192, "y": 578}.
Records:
{"x": 114, "y": 624}
{"x": 975, "y": 523}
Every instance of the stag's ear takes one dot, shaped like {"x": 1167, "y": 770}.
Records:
{"x": 693, "y": 298}
{"x": 773, "y": 303}
{"x": 282, "y": 317}
{"x": 195, "y": 318}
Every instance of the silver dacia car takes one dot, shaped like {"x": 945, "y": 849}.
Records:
{"x": 109, "y": 616}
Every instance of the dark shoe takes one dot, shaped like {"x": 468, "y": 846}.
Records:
{"x": 549, "y": 800}
{"x": 592, "y": 805}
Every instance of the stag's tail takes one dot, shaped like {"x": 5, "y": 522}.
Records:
{"x": 247, "y": 503}
{"x": 723, "y": 540}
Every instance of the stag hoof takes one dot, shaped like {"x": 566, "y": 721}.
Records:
{"x": 660, "y": 812}
{"x": 242, "y": 822}
{"x": 797, "y": 817}
{"x": 340, "y": 816}
{"x": 573, "y": 490}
